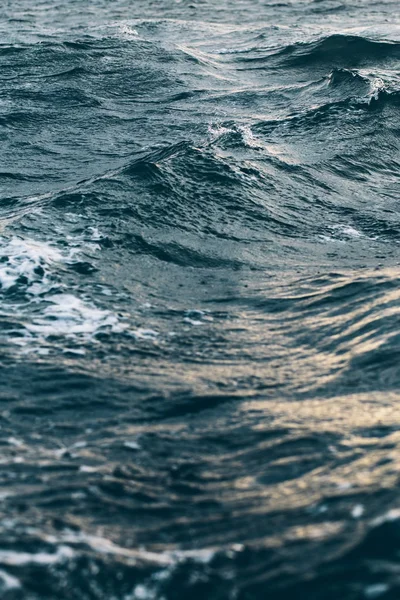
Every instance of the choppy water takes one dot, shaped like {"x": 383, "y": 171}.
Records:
{"x": 200, "y": 299}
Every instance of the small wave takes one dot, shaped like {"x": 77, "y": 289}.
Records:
{"x": 381, "y": 98}
{"x": 6, "y": 49}
{"x": 345, "y": 51}
{"x": 349, "y": 81}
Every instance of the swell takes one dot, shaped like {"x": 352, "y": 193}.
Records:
{"x": 341, "y": 50}
{"x": 201, "y": 362}
{"x": 187, "y": 181}
{"x": 164, "y": 201}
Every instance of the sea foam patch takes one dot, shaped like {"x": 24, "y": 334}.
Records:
{"x": 34, "y": 294}
{"x": 69, "y": 316}
{"x": 26, "y": 263}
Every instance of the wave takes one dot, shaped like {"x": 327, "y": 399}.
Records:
{"x": 194, "y": 186}
{"x": 347, "y": 51}
{"x": 199, "y": 291}
{"x": 350, "y": 81}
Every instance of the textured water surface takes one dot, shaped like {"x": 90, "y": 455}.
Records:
{"x": 200, "y": 300}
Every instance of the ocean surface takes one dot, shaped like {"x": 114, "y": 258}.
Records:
{"x": 200, "y": 300}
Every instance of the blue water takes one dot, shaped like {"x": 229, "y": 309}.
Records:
{"x": 200, "y": 300}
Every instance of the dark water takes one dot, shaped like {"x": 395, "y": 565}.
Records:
{"x": 200, "y": 300}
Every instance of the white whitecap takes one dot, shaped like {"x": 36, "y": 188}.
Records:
{"x": 26, "y": 258}
{"x": 68, "y": 315}
{"x": 46, "y": 308}
{"x": 19, "y": 559}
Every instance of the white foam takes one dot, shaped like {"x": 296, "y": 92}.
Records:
{"x": 375, "y": 590}
{"x": 47, "y": 310}
{"x": 23, "y": 258}
{"x": 248, "y": 136}
{"x": 343, "y": 233}
{"x": 145, "y": 334}
{"x": 142, "y": 592}
{"x": 150, "y": 590}
{"x": 127, "y": 32}
{"x": 9, "y": 581}
{"x": 349, "y": 231}
{"x": 327, "y": 238}
{"x": 69, "y": 316}
{"x": 88, "y": 469}
{"x": 377, "y": 86}
{"x": 5, "y": 495}
{"x": 216, "y": 131}
{"x": 15, "y": 442}
{"x": 392, "y": 515}
{"x": 197, "y": 317}
{"x": 19, "y": 559}
{"x": 357, "y": 511}
{"x": 132, "y": 445}
{"x": 105, "y": 546}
